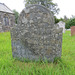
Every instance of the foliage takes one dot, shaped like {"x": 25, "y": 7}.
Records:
{"x": 57, "y": 20}
{"x": 16, "y": 15}
{"x": 47, "y": 3}
{"x": 10, "y": 66}
{"x": 67, "y": 26}
{"x": 70, "y": 23}
{"x": 65, "y": 18}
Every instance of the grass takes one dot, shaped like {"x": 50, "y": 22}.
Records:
{"x": 64, "y": 66}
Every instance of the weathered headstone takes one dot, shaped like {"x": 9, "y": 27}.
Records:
{"x": 35, "y": 36}
{"x": 62, "y": 25}
{"x": 73, "y": 31}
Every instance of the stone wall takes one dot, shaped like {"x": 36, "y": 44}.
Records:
{"x": 11, "y": 18}
{"x": 35, "y": 36}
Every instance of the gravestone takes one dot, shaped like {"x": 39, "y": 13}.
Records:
{"x": 72, "y": 30}
{"x": 62, "y": 25}
{"x": 35, "y": 36}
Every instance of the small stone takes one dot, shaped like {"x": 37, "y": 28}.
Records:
{"x": 31, "y": 21}
{"x": 26, "y": 10}
{"x": 38, "y": 17}
{"x": 24, "y": 20}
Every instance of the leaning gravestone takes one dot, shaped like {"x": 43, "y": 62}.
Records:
{"x": 35, "y": 36}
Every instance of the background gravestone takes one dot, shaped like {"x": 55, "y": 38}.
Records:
{"x": 73, "y": 31}
{"x": 35, "y": 36}
{"x": 62, "y": 25}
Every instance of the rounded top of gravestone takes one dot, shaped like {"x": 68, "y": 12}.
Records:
{"x": 36, "y": 14}
{"x": 35, "y": 34}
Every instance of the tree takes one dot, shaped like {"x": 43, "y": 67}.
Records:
{"x": 57, "y": 20}
{"x": 70, "y": 23}
{"x": 47, "y": 3}
{"x": 65, "y": 18}
{"x": 16, "y": 15}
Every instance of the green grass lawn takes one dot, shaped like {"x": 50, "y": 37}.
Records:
{"x": 10, "y": 66}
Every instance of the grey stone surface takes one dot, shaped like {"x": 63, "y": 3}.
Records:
{"x": 62, "y": 25}
{"x": 11, "y": 19}
{"x": 6, "y": 12}
{"x": 35, "y": 36}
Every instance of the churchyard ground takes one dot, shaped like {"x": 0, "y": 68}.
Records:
{"x": 63, "y": 66}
